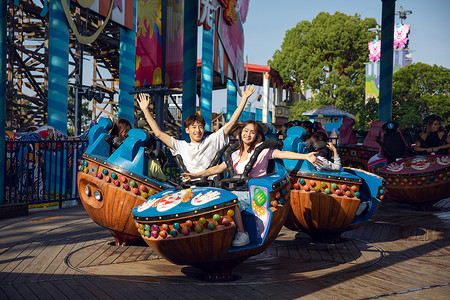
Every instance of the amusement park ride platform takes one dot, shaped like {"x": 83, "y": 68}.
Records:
{"x": 65, "y": 254}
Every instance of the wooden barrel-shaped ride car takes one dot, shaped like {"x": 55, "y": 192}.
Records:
{"x": 326, "y": 204}
{"x": 195, "y": 226}
{"x": 111, "y": 185}
{"x": 419, "y": 180}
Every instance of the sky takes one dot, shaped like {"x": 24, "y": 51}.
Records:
{"x": 267, "y": 22}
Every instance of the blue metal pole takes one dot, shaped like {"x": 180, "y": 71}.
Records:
{"x": 231, "y": 98}
{"x": 207, "y": 74}
{"x": 386, "y": 60}
{"x": 2, "y": 97}
{"x": 58, "y": 69}
{"x": 189, "y": 60}
{"x": 127, "y": 70}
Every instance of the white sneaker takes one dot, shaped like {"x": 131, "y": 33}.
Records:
{"x": 241, "y": 239}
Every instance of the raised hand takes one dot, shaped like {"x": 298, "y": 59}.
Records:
{"x": 249, "y": 91}
{"x": 143, "y": 100}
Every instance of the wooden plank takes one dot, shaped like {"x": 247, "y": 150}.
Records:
{"x": 354, "y": 251}
{"x": 90, "y": 254}
{"x": 334, "y": 253}
{"x": 29, "y": 255}
{"x": 55, "y": 265}
{"x": 62, "y": 269}
{"x": 118, "y": 250}
{"x": 52, "y": 290}
{"x": 25, "y": 291}
{"x": 10, "y": 255}
{"x": 293, "y": 252}
{"x": 11, "y": 292}
{"x": 129, "y": 250}
{"x": 65, "y": 287}
{"x": 314, "y": 252}
{"x": 80, "y": 289}
{"x": 38, "y": 265}
{"x": 138, "y": 250}
{"x": 40, "y": 292}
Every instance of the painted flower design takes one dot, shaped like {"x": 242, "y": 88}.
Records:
{"x": 443, "y": 160}
{"x": 395, "y": 167}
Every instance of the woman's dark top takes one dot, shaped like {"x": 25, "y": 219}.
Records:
{"x": 432, "y": 140}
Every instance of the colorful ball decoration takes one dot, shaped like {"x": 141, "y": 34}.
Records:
{"x": 116, "y": 183}
{"x": 198, "y": 228}
{"x": 105, "y": 171}
{"x": 327, "y": 190}
{"x": 274, "y": 203}
{"x": 144, "y": 194}
{"x": 173, "y": 232}
{"x": 135, "y": 191}
{"x": 185, "y": 231}
{"x": 356, "y": 194}
{"x": 348, "y": 193}
{"x": 306, "y": 188}
{"x": 176, "y": 226}
{"x": 316, "y": 189}
{"x": 99, "y": 176}
{"x": 154, "y": 234}
{"x": 277, "y": 195}
{"x": 132, "y": 183}
{"x": 147, "y": 227}
{"x": 333, "y": 186}
{"x": 338, "y": 192}
{"x": 113, "y": 175}
{"x": 296, "y": 186}
{"x": 163, "y": 234}
{"x": 354, "y": 188}
{"x": 211, "y": 225}
{"x": 123, "y": 179}
{"x": 125, "y": 186}
{"x": 147, "y": 233}
{"x": 323, "y": 184}
{"x": 216, "y": 217}
{"x": 301, "y": 181}
{"x": 312, "y": 183}
{"x": 143, "y": 188}
{"x": 225, "y": 222}
{"x": 164, "y": 227}
{"x": 230, "y": 212}
{"x": 188, "y": 223}
{"x": 155, "y": 227}
{"x": 202, "y": 220}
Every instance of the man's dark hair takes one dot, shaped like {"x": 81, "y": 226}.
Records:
{"x": 192, "y": 119}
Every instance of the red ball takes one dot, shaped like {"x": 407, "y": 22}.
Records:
{"x": 312, "y": 183}
{"x": 164, "y": 227}
{"x": 225, "y": 222}
{"x": 163, "y": 234}
{"x": 348, "y": 193}
{"x": 274, "y": 203}
{"x": 188, "y": 223}
{"x": 296, "y": 186}
{"x": 306, "y": 188}
{"x": 185, "y": 230}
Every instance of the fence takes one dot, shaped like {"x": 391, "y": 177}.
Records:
{"x": 44, "y": 172}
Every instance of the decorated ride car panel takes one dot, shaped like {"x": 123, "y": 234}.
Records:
{"x": 196, "y": 225}
{"x": 323, "y": 203}
{"x": 419, "y": 180}
{"x": 111, "y": 185}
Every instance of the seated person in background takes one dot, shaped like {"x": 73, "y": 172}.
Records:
{"x": 118, "y": 133}
{"x": 156, "y": 160}
{"x": 250, "y": 136}
{"x": 327, "y": 156}
{"x": 308, "y": 126}
{"x": 434, "y": 140}
{"x": 199, "y": 153}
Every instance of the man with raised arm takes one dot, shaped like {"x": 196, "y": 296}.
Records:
{"x": 198, "y": 154}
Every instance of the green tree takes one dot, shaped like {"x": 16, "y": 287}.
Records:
{"x": 327, "y": 55}
{"x": 419, "y": 90}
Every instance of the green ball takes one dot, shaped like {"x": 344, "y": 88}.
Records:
{"x": 333, "y": 186}
{"x": 316, "y": 189}
{"x": 405, "y": 180}
{"x": 198, "y": 228}
{"x": 301, "y": 181}
{"x": 356, "y": 194}
{"x": 132, "y": 183}
{"x": 202, "y": 220}
{"x": 323, "y": 184}
{"x": 327, "y": 190}
{"x": 173, "y": 233}
{"x": 147, "y": 233}
{"x": 211, "y": 225}
{"x": 147, "y": 227}
{"x": 216, "y": 217}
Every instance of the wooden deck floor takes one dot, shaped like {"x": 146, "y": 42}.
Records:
{"x": 62, "y": 254}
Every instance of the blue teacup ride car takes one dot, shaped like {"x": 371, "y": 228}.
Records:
{"x": 192, "y": 225}
{"x": 111, "y": 185}
{"x": 325, "y": 204}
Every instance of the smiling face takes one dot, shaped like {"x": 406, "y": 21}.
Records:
{"x": 195, "y": 131}
{"x": 435, "y": 126}
{"x": 248, "y": 134}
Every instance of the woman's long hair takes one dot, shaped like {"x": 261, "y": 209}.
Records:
{"x": 259, "y": 136}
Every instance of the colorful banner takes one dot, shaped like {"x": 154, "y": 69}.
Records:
{"x": 149, "y": 44}
{"x": 122, "y": 10}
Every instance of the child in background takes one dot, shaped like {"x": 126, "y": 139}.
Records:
{"x": 328, "y": 157}
{"x": 118, "y": 133}
{"x": 156, "y": 160}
